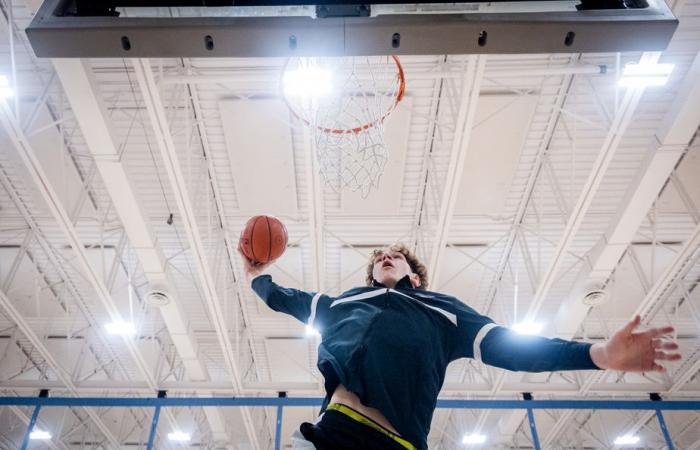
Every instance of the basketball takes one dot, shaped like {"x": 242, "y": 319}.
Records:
{"x": 263, "y": 239}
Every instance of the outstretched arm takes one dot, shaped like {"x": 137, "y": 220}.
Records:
{"x": 626, "y": 350}
{"x": 636, "y": 352}
{"x": 507, "y": 349}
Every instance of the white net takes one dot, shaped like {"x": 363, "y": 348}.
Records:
{"x": 345, "y": 102}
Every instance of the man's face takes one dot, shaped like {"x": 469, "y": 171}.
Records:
{"x": 390, "y": 266}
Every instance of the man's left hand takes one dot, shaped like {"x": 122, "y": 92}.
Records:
{"x": 636, "y": 352}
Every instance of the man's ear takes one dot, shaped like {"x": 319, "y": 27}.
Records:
{"x": 415, "y": 280}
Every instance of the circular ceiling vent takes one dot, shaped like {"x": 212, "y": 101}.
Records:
{"x": 157, "y": 298}
{"x": 595, "y": 297}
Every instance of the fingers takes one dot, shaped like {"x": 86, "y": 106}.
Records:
{"x": 658, "y": 368}
{"x": 663, "y": 356}
{"x": 631, "y": 325}
{"x": 656, "y": 332}
{"x": 661, "y": 344}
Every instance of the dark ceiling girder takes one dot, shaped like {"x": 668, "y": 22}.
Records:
{"x": 55, "y": 34}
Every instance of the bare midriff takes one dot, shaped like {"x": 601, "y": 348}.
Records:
{"x": 343, "y": 396}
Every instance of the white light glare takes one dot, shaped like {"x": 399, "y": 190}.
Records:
{"x": 40, "y": 434}
{"x": 179, "y": 436}
{"x": 527, "y": 328}
{"x": 5, "y": 89}
{"x": 473, "y": 438}
{"x": 627, "y": 439}
{"x": 311, "y": 331}
{"x": 310, "y": 81}
{"x": 121, "y": 328}
{"x": 643, "y": 75}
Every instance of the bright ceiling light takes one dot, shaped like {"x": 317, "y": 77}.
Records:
{"x": 474, "y": 438}
{"x": 179, "y": 436}
{"x": 40, "y": 434}
{"x": 644, "y": 75}
{"x": 5, "y": 90}
{"x": 121, "y": 328}
{"x": 527, "y": 328}
{"x": 311, "y": 331}
{"x": 307, "y": 82}
{"x": 627, "y": 439}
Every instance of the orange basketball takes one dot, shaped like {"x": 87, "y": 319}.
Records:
{"x": 263, "y": 239}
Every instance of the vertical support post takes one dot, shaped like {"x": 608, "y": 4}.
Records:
{"x": 35, "y": 415}
{"x": 154, "y": 422}
{"x": 278, "y": 425}
{"x": 531, "y": 419}
{"x": 662, "y": 423}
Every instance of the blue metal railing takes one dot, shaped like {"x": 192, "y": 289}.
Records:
{"x": 280, "y": 402}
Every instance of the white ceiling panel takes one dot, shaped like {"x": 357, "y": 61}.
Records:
{"x": 259, "y": 144}
{"x": 500, "y": 127}
{"x": 353, "y": 267}
{"x": 288, "y": 359}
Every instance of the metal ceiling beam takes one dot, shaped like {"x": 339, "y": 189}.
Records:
{"x": 315, "y": 212}
{"x": 512, "y": 421}
{"x": 27, "y": 154}
{"x": 651, "y": 302}
{"x": 55, "y": 443}
{"x": 671, "y": 141}
{"x": 648, "y": 415}
{"x": 14, "y": 315}
{"x": 672, "y": 138}
{"x": 54, "y": 204}
{"x": 166, "y": 145}
{"x": 60, "y": 270}
{"x": 464, "y": 123}
{"x": 82, "y": 91}
{"x": 229, "y": 241}
{"x": 618, "y": 127}
{"x": 58, "y": 33}
{"x": 552, "y": 123}
{"x": 610, "y": 144}
{"x": 415, "y": 71}
{"x": 66, "y": 281}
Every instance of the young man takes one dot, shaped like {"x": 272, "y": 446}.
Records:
{"x": 385, "y": 348}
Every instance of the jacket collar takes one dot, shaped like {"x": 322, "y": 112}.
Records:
{"x": 403, "y": 283}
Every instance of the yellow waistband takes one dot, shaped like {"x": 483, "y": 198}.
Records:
{"x": 370, "y": 423}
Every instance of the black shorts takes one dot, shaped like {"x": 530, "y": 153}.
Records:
{"x": 343, "y": 428}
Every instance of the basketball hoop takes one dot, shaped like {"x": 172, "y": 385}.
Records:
{"x": 345, "y": 102}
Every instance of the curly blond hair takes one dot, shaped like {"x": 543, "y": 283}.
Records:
{"x": 416, "y": 265}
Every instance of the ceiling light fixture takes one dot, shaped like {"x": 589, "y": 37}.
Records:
{"x": 645, "y": 75}
{"x": 627, "y": 439}
{"x": 40, "y": 435}
{"x": 307, "y": 82}
{"x": 474, "y": 438}
{"x": 6, "y": 90}
{"x": 121, "y": 328}
{"x": 179, "y": 436}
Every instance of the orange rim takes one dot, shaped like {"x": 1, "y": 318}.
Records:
{"x": 399, "y": 96}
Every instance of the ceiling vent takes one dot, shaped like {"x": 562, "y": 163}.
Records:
{"x": 595, "y": 297}
{"x": 157, "y": 298}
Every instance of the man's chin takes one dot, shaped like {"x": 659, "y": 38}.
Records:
{"x": 387, "y": 280}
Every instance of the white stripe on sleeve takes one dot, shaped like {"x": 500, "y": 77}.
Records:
{"x": 480, "y": 337}
{"x": 314, "y": 304}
